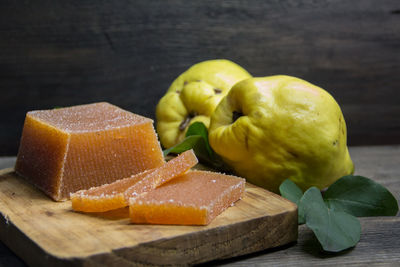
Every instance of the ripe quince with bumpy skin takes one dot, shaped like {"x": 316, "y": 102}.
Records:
{"x": 278, "y": 127}
{"x": 193, "y": 97}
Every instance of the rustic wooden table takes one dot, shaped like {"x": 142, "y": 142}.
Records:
{"x": 380, "y": 238}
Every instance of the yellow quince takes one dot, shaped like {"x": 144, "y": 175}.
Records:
{"x": 193, "y": 97}
{"x": 278, "y": 127}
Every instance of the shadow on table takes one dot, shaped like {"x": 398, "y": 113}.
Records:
{"x": 307, "y": 243}
{"x": 8, "y": 258}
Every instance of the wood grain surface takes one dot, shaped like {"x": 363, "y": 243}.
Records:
{"x": 62, "y": 53}
{"x": 48, "y": 233}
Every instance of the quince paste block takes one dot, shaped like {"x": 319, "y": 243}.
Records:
{"x": 68, "y": 149}
{"x": 194, "y": 198}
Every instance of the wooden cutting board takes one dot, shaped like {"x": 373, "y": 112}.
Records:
{"x": 47, "y": 233}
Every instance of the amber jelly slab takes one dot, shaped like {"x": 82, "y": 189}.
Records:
{"x": 68, "y": 149}
{"x": 194, "y": 198}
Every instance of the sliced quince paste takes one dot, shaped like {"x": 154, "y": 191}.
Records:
{"x": 68, "y": 149}
{"x": 105, "y": 197}
{"x": 115, "y": 195}
{"x": 194, "y": 198}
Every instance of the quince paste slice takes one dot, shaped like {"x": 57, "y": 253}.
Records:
{"x": 194, "y": 198}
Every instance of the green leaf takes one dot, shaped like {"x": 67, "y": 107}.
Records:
{"x": 198, "y": 128}
{"x": 360, "y": 197}
{"x": 291, "y": 191}
{"x": 335, "y": 230}
{"x": 197, "y": 139}
{"x": 188, "y": 143}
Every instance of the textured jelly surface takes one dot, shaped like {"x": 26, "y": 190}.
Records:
{"x": 105, "y": 197}
{"x": 173, "y": 168}
{"x": 194, "y": 198}
{"x": 88, "y": 118}
{"x": 68, "y": 149}
{"x": 113, "y": 196}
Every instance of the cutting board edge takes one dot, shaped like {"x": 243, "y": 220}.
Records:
{"x": 256, "y": 240}
{"x": 23, "y": 246}
{"x": 34, "y": 255}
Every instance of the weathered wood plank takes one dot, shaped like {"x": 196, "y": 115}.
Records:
{"x": 61, "y": 53}
{"x": 379, "y": 246}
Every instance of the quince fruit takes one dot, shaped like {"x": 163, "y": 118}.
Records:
{"x": 278, "y": 127}
{"x": 193, "y": 97}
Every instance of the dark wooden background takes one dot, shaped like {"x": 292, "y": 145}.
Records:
{"x": 61, "y": 53}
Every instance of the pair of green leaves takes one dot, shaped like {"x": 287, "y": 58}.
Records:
{"x": 197, "y": 139}
{"x": 332, "y": 216}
